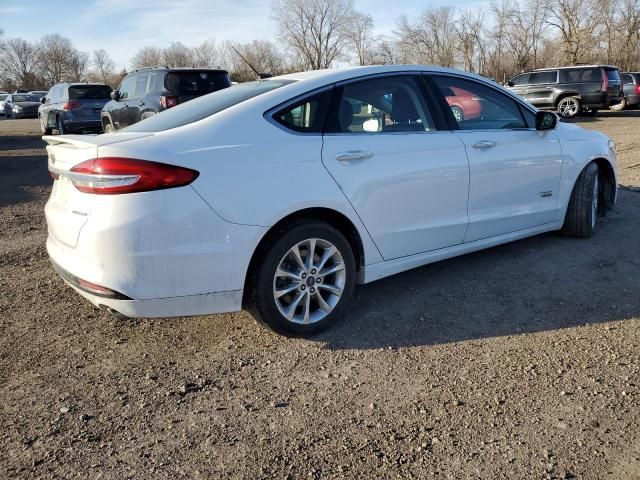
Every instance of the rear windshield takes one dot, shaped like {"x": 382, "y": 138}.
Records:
{"x": 612, "y": 74}
{"x": 205, "y": 106}
{"x": 89, "y": 92}
{"x": 196, "y": 82}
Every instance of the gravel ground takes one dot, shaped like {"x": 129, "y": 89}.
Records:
{"x": 518, "y": 362}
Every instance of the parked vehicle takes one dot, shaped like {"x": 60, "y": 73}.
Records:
{"x": 145, "y": 92}
{"x": 570, "y": 90}
{"x": 3, "y": 97}
{"x": 271, "y": 195}
{"x": 73, "y": 107}
{"x": 21, "y": 105}
{"x": 631, "y": 91}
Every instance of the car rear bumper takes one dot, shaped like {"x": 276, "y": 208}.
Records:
{"x": 158, "y": 254}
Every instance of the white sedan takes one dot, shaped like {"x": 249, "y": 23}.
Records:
{"x": 280, "y": 195}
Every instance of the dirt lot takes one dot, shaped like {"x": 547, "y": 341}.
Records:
{"x": 519, "y": 362}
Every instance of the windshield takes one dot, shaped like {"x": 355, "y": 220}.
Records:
{"x": 205, "y": 106}
{"x": 89, "y": 92}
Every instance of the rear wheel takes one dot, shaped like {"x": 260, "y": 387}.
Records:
{"x": 304, "y": 280}
{"x": 618, "y": 107}
{"x": 569, "y": 107}
{"x": 60, "y": 126}
{"x": 584, "y": 204}
{"x": 46, "y": 130}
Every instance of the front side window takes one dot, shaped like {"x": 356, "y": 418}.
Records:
{"x": 126, "y": 89}
{"x": 307, "y": 115}
{"x": 520, "y": 80}
{"x": 539, "y": 78}
{"x": 382, "y": 105}
{"x": 475, "y": 106}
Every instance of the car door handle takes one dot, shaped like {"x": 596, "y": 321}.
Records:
{"x": 353, "y": 155}
{"x": 484, "y": 144}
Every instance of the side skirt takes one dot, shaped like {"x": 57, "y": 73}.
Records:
{"x": 380, "y": 270}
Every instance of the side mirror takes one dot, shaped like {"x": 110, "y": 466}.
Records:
{"x": 546, "y": 120}
{"x": 115, "y": 95}
{"x": 43, "y": 100}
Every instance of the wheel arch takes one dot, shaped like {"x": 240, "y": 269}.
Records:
{"x": 332, "y": 217}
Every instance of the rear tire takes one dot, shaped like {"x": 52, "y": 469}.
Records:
{"x": 318, "y": 289}
{"x": 60, "y": 126}
{"x": 584, "y": 204}
{"x": 569, "y": 107}
{"x": 619, "y": 106}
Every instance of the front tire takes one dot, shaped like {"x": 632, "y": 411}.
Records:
{"x": 584, "y": 204}
{"x": 304, "y": 280}
{"x": 569, "y": 107}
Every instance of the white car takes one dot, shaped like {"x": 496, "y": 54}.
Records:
{"x": 280, "y": 195}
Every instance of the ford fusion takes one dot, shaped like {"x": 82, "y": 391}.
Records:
{"x": 280, "y": 195}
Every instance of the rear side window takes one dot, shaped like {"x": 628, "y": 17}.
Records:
{"x": 205, "y": 106}
{"x": 580, "y": 75}
{"x": 612, "y": 74}
{"x": 196, "y": 82}
{"x": 89, "y": 92}
{"x": 538, "y": 78}
{"x": 307, "y": 115}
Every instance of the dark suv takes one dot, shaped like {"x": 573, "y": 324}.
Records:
{"x": 631, "y": 89}
{"x": 146, "y": 92}
{"x": 73, "y": 107}
{"x": 570, "y": 90}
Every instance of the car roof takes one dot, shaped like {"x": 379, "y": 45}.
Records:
{"x": 573, "y": 67}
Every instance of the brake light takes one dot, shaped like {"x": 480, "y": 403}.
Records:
{"x": 115, "y": 175}
{"x": 605, "y": 81}
{"x": 71, "y": 105}
{"x": 168, "y": 101}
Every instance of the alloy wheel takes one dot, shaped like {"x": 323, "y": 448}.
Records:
{"x": 309, "y": 281}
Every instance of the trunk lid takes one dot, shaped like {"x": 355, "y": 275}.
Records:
{"x": 68, "y": 209}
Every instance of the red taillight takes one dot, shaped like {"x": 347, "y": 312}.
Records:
{"x": 605, "y": 81}
{"x": 71, "y": 105}
{"x": 168, "y": 101}
{"x": 115, "y": 175}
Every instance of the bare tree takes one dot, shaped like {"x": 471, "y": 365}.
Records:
{"x": 19, "y": 61}
{"x": 317, "y": 31}
{"x": 575, "y": 21}
{"x": 178, "y": 55}
{"x": 430, "y": 39}
{"x": 147, "y": 57}
{"x": 363, "y": 38}
{"x": 104, "y": 66}
{"x": 206, "y": 54}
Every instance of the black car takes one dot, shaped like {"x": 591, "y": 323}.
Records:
{"x": 73, "y": 107}
{"x": 570, "y": 90}
{"x": 631, "y": 89}
{"x": 146, "y": 92}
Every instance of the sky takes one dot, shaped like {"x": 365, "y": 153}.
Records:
{"x": 122, "y": 27}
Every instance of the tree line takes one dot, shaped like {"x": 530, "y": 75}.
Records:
{"x": 498, "y": 41}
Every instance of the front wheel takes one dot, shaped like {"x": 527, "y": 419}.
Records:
{"x": 305, "y": 279}
{"x": 584, "y": 204}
